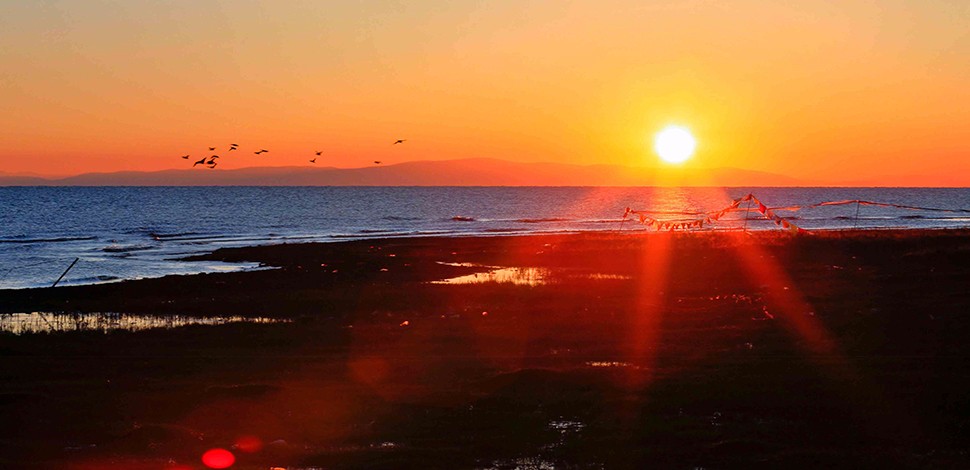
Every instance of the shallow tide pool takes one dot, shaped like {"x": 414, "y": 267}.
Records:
{"x": 523, "y": 276}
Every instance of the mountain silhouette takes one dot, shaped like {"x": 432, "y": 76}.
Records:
{"x": 461, "y": 172}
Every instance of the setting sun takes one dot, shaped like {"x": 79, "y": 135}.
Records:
{"x": 674, "y": 144}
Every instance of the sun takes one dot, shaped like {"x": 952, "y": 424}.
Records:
{"x": 674, "y": 144}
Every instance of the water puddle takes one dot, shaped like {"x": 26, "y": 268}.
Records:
{"x": 567, "y": 429}
{"x": 45, "y": 322}
{"x": 523, "y": 276}
{"x": 522, "y": 463}
{"x": 566, "y": 426}
{"x": 518, "y": 276}
{"x": 607, "y": 277}
{"x": 608, "y": 364}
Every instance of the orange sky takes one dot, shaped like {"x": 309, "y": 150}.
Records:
{"x": 816, "y": 90}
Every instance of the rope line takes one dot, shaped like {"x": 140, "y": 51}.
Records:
{"x": 646, "y": 216}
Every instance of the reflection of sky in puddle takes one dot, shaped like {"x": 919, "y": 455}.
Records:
{"x": 519, "y": 276}
{"x": 465, "y": 265}
{"x": 608, "y": 364}
{"x": 606, "y": 277}
{"x": 40, "y": 322}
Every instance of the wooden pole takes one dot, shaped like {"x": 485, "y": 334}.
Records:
{"x": 747, "y": 210}
{"x": 626, "y": 214}
{"x": 65, "y": 272}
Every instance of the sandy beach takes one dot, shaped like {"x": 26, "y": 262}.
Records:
{"x": 602, "y": 350}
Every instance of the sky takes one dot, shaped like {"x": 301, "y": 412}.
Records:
{"x": 821, "y": 91}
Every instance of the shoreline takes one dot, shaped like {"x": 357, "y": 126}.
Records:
{"x": 283, "y": 262}
{"x": 268, "y": 257}
{"x": 208, "y": 255}
{"x": 616, "y": 351}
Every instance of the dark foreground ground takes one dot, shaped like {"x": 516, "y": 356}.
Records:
{"x": 634, "y": 351}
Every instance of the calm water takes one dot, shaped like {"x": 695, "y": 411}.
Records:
{"x": 135, "y": 232}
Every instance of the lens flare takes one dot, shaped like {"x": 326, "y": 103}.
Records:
{"x": 249, "y": 444}
{"x": 218, "y": 458}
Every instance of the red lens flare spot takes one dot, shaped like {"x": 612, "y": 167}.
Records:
{"x": 218, "y": 458}
{"x": 369, "y": 370}
{"x": 249, "y": 444}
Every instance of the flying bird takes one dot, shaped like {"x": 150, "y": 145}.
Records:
{"x": 232, "y": 148}
{"x": 185, "y": 157}
{"x": 377, "y": 162}
{"x": 258, "y": 152}
{"x": 399, "y": 141}
{"x": 212, "y": 160}
{"x": 212, "y": 165}
{"x": 200, "y": 162}
{"x": 212, "y": 148}
{"x": 313, "y": 161}
{"x": 319, "y": 152}
{"x": 263, "y": 150}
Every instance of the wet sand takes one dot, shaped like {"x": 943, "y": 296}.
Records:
{"x": 713, "y": 350}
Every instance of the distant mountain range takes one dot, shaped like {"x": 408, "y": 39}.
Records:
{"x": 463, "y": 172}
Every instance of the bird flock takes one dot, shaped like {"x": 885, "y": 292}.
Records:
{"x": 210, "y": 160}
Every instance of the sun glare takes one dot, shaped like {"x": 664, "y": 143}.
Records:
{"x": 674, "y": 144}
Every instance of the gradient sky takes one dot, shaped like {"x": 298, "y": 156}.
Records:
{"x": 823, "y": 91}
